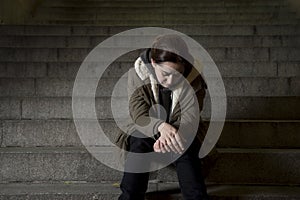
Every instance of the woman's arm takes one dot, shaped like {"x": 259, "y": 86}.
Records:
{"x": 140, "y": 106}
{"x": 183, "y": 120}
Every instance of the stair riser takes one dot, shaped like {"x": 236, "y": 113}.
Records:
{"x": 79, "y": 54}
{"x": 235, "y": 87}
{"x": 250, "y": 168}
{"x": 232, "y": 168}
{"x": 279, "y": 108}
{"x": 69, "y": 70}
{"x": 209, "y": 30}
{"x": 59, "y": 196}
{"x": 168, "y": 10}
{"x": 159, "y": 23}
{"x": 92, "y": 41}
{"x": 166, "y": 17}
{"x": 103, "y": 191}
{"x": 161, "y": 4}
{"x": 260, "y": 135}
{"x": 31, "y": 133}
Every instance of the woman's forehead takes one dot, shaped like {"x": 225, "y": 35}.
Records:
{"x": 171, "y": 67}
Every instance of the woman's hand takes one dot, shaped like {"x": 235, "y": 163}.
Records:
{"x": 169, "y": 140}
{"x": 158, "y": 147}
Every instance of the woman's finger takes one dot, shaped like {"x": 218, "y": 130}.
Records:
{"x": 156, "y": 146}
{"x": 166, "y": 145}
{"x": 176, "y": 146}
{"x": 171, "y": 145}
{"x": 179, "y": 142}
{"x": 162, "y": 147}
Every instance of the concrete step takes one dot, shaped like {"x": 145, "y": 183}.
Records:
{"x": 164, "y": 17}
{"x": 62, "y": 12}
{"x": 133, "y": 3}
{"x": 66, "y": 191}
{"x": 236, "y": 133}
{"x": 93, "y": 41}
{"x": 267, "y": 108}
{"x": 167, "y": 22}
{"x": 234, "y": 166}
{"x": 87, "y": 191}
{"x": 248, "y": 166}
{"x": 97, "y": 30}
{"x": 218, "y": 54}
{"x": 68, "y": 70}
{"x": 166, "y": 10}
{"x": 57, "y": 87}
{"x": 228, "y": 192}
{"x": 260, "y": 134}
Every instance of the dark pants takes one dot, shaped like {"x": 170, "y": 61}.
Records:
{"x": 188, "y": 167}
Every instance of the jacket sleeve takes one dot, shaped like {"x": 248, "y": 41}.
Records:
{"x": 186, "y": 117}
{"x": 140, "y": 108}
{"x": 200, "y": 90}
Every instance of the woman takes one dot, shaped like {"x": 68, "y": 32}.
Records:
{"x": 156, "y": 72}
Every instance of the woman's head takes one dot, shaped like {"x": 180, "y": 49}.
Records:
{"x": 170, "y": 59}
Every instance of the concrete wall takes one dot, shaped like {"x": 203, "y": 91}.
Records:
{"x": 17, "y": 11}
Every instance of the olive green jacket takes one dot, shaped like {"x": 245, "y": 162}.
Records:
{"x": 143, "y": 95}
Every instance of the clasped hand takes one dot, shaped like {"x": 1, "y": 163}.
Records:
{"x": 169, "y": 140}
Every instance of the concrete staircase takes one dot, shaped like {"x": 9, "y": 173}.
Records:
{"x": 255, "y": 45}
{"x": 165, "y": 12}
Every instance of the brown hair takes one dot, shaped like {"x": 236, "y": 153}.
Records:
{"x": 169, "y": 48}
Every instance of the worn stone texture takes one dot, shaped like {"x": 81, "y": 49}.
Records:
{"x": 255, "y": 45}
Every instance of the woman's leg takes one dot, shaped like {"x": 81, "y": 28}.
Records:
{"x": 134, "y": 185}
{"x": 188, "y": 167}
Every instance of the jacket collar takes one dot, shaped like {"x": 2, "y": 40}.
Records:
{"x": 145, "y": 71}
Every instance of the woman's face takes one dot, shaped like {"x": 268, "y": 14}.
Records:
{"x": 168, "y": 73}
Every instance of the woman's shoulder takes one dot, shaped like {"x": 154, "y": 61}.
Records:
{"x": 137, "y": 77}
{"x": 139, "y": 73}
{"x": 196, "y": 80}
